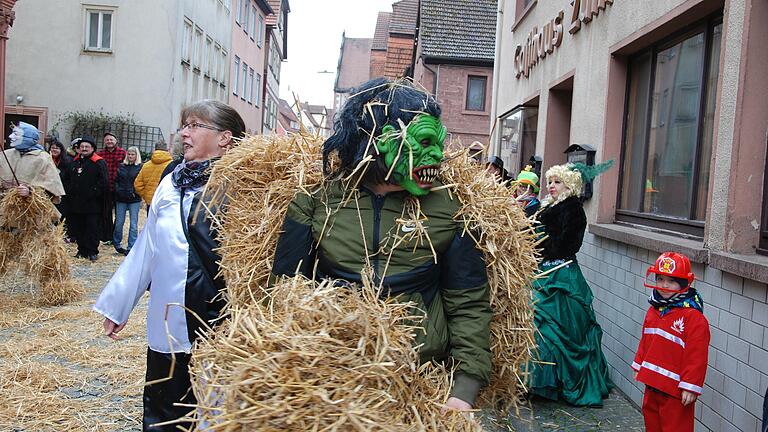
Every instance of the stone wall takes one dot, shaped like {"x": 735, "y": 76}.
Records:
{"x": 736, "y": 308}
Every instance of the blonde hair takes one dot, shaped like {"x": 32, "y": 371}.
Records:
{"x": 138, "y": 155}
{"x": 570, "y": 178}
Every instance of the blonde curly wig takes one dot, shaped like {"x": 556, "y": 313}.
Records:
{"x": 570, "y": 177}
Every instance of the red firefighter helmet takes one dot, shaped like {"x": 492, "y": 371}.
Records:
{"x": 674, "y": 265}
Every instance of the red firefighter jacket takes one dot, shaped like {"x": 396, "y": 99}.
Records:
{"x": 672, "y": 354}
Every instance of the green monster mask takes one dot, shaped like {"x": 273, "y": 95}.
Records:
{"x": 416, "y": 155}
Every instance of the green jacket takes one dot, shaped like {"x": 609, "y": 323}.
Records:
{"x": 453, "y": 291}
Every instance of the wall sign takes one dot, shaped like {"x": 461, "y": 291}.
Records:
{"x": 543, "y": 41}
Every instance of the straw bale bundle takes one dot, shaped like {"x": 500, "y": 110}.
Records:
{"x": 319, "y": 356}
{"x": 30, "y": 240}
{"x": 256, "y": 181}
{"x": 508, "y": 242}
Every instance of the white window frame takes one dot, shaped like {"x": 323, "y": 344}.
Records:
{"x": 250, "y": 85}
{"x": 236, "y": 87}
{"x": 245, "y": 81}
{"x": 101, "y": 10}
{"x": 216, "y": 68}
{"x": 186, "y": 41}
{"x": 197, "y": 55}
{"x": 257, "y": 101}
{"x": 224, "y": 73}
{"x": 260, "y": 30}
{"x": 238, "y": 13}
{"x": 254, "y": 28}
{"x": 247, "y": 17}
{"x": 208, "y": 57}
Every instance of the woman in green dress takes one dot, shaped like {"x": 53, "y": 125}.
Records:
{"x": 570, "y": 364}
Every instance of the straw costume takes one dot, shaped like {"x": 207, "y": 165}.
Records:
{"x": 571, "y": 364}
{"x": 399, "y": 126}
{"x": 27, "y": 162}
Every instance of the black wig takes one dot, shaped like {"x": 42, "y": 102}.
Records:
{"x": 373, "y": 105}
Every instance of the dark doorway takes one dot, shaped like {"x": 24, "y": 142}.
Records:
{"x": 15, "y": 119}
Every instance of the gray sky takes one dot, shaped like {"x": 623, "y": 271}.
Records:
{"x": 314, "y": 39}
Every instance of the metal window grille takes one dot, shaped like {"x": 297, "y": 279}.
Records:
{"x": 143, "y": 137}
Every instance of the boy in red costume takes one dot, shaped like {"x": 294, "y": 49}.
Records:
{"x": 671, "y": 358}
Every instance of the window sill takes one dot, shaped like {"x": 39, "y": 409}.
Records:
{"x": 91, "y": 51}
{"x": 753, "y": 267}
{"x": 475, "y": 113}
{"x": 523, "y": 14}
{"x": 654, "y": 241}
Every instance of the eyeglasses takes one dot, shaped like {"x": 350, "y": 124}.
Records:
{"x": 194, "y": 125}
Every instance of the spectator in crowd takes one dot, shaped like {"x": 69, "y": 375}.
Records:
{"x": 87, "y": 177}
{"x": 26, "y": 165}
{"x": 113, "y": 155}
{"x": 495, "y": 167}
{"x": 126, "y": 199}
{"x": 149, "y": 177}
{"x": 176, "y": 251}
{"x": 62, "y": 161}
{"x": 527, "y": 190}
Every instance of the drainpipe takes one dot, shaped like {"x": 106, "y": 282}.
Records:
{"x": 494, "y": 128}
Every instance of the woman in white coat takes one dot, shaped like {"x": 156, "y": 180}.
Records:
{"x": 175, "y": 253}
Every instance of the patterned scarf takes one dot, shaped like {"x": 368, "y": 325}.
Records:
{"x": 189, "y": 175}
{"x": 688, "y": 299}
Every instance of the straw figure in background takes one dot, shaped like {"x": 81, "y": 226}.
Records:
{"x": 29, "y": 236}
{"x": 570, "y": 364}
{"x": 176, "y": 253}
{"x": 405, "y": 230}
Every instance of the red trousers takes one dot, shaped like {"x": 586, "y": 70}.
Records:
{"x": 665, "y": 413}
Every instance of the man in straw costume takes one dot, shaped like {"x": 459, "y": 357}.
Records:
{"x": 27, "y": 165}
{"x": 382, "y": 163}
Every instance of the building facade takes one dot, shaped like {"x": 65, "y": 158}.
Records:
{"x": 353, "y": 68}
{"x": 277, "y": 52}
{"x": 454, "y": 61}
{"x": 248, "y": 57}
{"x": 674, "y": 92}
{"x": 115, "y": 57}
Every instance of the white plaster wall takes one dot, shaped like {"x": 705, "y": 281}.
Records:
{"x": 143, "y": 75}
{"x": 47, "y": 65}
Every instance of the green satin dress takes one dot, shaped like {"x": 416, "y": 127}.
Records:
{"x": 569, "y": 364}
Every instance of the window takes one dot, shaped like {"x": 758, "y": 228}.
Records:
{"x": 245, "y": 81}
{"x": 270, "y": 116}
{"x": 98, "y": 30}
{"x": 257, "y": 100}
{"x": 260, "y": 31}
{"x": 238, "y": 18}
{"x": 668, "y": 131}
{"x": 518, "y": 134}
{"x": 236, "y": 85}
{"x": 243, "y": 13}
{"x": 253, "y": 22}
{"x": 224, "y": 72}
{"x": 250, "y": 85}
{"x": 186, "y": 41}
{"x": 274, "y": 61}
{"x": 215, "y": 58}
{"x": 476, "y": 93}
{"x": 198, "y": 48}
{"x": 209, "y": 57}
{"x": 246, "y": 17}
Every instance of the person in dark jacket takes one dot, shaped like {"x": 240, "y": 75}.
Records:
{"x": 175, "y": 251}
{"x": 87, "y": 178}
{"x": 62, "y": 161}
{"x": 446, "y": 280}
{"x": 126, "y": 199}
